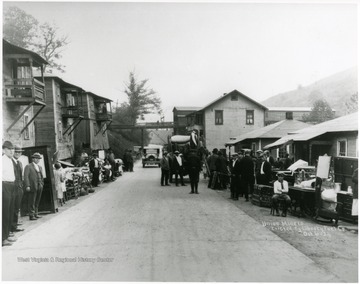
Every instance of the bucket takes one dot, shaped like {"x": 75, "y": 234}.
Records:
{"x": 337, "y": 186}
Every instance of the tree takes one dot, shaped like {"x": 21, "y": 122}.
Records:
{"x": 320, "y": 112}
{"x": 19, "y": 28}
{"x": 352, "y": 104}
{"x": 50, "y": 45}
{"x": 142, "y": 100}
{"x": 24, "y": 30}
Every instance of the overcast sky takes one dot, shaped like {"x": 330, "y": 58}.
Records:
{"x": 192, "y": 53}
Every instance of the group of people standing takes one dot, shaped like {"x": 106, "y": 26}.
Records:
{"x": 16, "y": 182}
{"x": 243, "y": 171}
{"x": 175, "y": 164}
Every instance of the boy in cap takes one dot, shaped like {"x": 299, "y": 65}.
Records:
{"x": 34, "y": 183}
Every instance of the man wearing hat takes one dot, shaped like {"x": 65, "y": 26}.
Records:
{"x": 34, "y": 183}
{"x": 258, "y": 161}
{"x": 19, "y": 188}
{"x": 264, "y": 176}
{"x": 247, "y": 175}
{"x": 94, "y": 166}
{"x": 235, "y": 177}
{"x": 178, "y": 167}
{"x": 212, "y": 166}
{"x": 8, "y": 191}
{"x": 165, "y": 169}
{"x": 281, "y": 188}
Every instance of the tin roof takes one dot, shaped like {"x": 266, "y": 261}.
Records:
{"x": 341, "y": 124}
{"x": 275, "y": 130}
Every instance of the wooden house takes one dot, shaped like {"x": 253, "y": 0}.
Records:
{"x": 337, "y": 138}
{"x": 228, "y": 116}
{"x": 92, "y": 132}
{"x": 24, "y": 96}
{"x": 63, "y": 113}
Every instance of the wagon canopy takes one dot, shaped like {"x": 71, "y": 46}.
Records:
{"x": 181, "y": 139}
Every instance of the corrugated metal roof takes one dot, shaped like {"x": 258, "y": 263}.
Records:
{"x": 341, "y": 124}
{"x": 275, "y": 130}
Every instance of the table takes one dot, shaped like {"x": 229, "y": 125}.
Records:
{"x": 305, "y": 199}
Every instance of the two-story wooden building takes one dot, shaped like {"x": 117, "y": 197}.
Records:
{"x": 24, "y": 95}
{"x": 63, "y": 113}
{"x": 92, "y": 133}
{"x": 230, "y": 115}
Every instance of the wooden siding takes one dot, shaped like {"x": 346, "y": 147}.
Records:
{"x": 234, "y": 121}
{"x": 11, "y": 112}
{"x": 47, "y": 123}
{"x": 85, "y": 132}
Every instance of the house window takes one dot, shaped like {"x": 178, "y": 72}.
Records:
{"x": 60, "y": 131}
{"x": 289, "y": 115}
{"x": 219, "y": 117}
{"x": 234, "y": 97}
{"x": 95, "y": 128}
{"x": 26, "y": 131}
{"x": 249, "y": 117}
{"x": 342, "y": 148}
{"x": 199, "y": 119}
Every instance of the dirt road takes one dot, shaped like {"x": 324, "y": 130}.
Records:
{"x": 135, "y": 230}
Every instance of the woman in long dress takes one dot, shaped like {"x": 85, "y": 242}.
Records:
{"x": 59, "y": 181}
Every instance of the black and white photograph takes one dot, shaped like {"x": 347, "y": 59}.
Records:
{"x": 168, "y": 141}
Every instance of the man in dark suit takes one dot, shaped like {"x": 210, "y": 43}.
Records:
{"x": 94, "y": 166}
{"x": 235, "y": 176}
{"x": 269, "y": 158}
{"x": 34, "y": 183}
{"x": 265, "y": 175}
{"x": 247, "y": 175}
{"x": 193, "y": 164}
{"x": 19, "y": 188}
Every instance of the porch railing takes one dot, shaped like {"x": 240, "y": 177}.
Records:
{"x": 25, "y": 88}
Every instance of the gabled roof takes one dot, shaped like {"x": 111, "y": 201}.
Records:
{"x": 63, "y": 83}
{"x": 275, "y": 130}
{"x": 100, "y": 98}
{"x": 341, "y": 124}
{"x": 9, "y": 48}
{"x": 229, "y": 94}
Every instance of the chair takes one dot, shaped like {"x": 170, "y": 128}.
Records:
{"x": 320, "y": 210}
